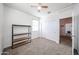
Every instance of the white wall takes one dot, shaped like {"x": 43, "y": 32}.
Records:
{"x": 13, "y": 16}
{"x": 1, "y": 26}
{"x": 50, "y": 25}
{"x": 50, "y": 28}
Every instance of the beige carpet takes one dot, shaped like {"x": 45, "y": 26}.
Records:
{"x": 41, "y": 47}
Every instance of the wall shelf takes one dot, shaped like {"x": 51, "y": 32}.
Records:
{"x": 21, "y": 34}
{"x": 21, "y": 25}
{"x": 20, "y": 39}
{"x": 16, "y": 42}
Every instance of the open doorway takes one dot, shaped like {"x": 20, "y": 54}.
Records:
{"x": 66, "y": 31}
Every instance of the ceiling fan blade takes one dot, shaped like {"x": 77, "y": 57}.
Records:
{"x": 44, "y": 6}
{"x": 33, "y": 6}
{"x": 39, "y": 3}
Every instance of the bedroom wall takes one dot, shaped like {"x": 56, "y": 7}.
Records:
{"x": 50, "y": 28}
{"x": 14, "y": 16}
{"x": 1, "y": 26}
{"x": 50, "y": 25}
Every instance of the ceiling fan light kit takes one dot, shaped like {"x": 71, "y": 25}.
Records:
{"x": 41, "y": 7}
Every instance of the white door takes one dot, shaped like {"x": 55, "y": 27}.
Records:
{"x": 76, "y": 41}
{"x": 78, "y": 33}
{"x": 74, "y": 33}
{"x": 1, "y": 26}
{"x": 75, "y": 27}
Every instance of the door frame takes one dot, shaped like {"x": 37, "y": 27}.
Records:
{"x": 60, "y": 24}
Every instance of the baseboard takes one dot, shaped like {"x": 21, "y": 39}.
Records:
{"x": 50, "y": 39}
{"x": 0, "y": 53}
{"x": 6, "y": 48}
{"x": 78, "y": 52}
{"x": 35, "y": 38}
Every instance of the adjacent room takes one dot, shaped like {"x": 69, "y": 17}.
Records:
{"x": 36, "y": 28}
{"x": 66, "y": 31}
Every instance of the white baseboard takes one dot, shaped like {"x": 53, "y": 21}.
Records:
{"x": 0, "y": 53}
{"x": 35, "y": 38}
{"x": 78, "y": 51}
{"x": 51, "y": 40}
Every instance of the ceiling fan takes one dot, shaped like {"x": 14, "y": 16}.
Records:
{"x": 41, "y": 7}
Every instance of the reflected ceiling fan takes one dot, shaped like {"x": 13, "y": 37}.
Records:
{"x": 40, "y": 7}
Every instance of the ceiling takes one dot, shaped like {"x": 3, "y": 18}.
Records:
{"x": 26, "y": 7}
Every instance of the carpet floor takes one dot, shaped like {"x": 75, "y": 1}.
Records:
{"x": 41, "y": 47}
